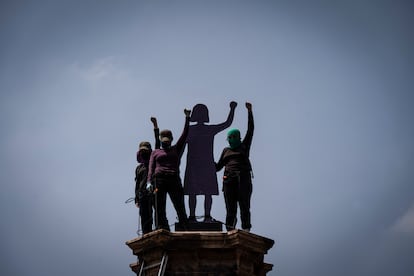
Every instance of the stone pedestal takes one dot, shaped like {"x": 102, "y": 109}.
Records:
{"x": 201, "y": 253}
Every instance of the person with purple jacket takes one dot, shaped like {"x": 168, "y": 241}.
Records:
{"x": 164, "y": 173}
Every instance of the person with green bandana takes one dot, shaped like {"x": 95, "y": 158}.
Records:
{"x": 237, "y": 177}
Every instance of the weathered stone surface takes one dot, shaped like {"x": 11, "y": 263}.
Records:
{"x": 202, "y": 253}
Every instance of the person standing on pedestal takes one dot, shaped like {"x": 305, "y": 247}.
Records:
{"x": 144, "y": 200}
{"x": 237, "y": 178}
{"x": 164, "y": 173}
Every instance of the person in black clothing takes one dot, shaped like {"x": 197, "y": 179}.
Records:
{"x": 237, "y": 177}
{"x": 144, "y": 199}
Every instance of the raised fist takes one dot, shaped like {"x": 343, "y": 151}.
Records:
{"x": 233, "y": 104}
{"x": 248, "y": 106}
{"x": 154, "y": 122}
{"x": 187, "y": 112}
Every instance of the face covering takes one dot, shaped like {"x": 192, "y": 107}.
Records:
{"x": 165, "y": 145}
{"x": 233, "y": 137}
{"x": 144, "y": 156}
{"x": 234, "y": 143}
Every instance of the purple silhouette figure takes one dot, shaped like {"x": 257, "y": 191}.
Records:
{"x": 200, "y": 173}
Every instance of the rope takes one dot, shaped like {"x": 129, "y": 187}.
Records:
{"x": 129, "y": 200}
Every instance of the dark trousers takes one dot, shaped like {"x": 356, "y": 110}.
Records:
{"x": 146, "y": 203}
{"x": 237, "y": 188}
{"x": 170, "y": 184}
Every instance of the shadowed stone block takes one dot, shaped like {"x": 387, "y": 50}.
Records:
{"x": 201, "y": 226}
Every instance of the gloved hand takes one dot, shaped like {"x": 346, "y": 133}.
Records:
{"x": 150, "y": 187}
{"x": 187, "y": 112}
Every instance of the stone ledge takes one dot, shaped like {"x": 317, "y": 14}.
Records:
{"x": 202, "y": 239}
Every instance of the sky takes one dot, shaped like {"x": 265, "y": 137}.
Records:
{"x": 331, "y": 84}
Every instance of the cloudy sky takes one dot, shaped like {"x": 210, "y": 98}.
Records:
{"x": 331, "y": 83}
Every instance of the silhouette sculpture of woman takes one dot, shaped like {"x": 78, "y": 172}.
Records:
{"x": 200, "y": 174}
